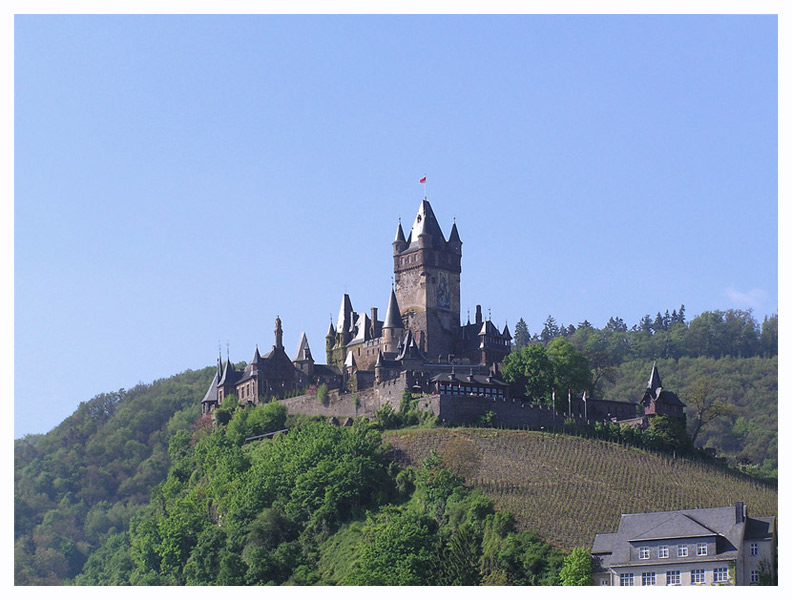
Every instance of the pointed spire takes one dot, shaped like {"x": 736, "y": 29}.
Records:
{"x": 380, "y": 359}
{"x": 400, "y": 233}
{"x": 345, "y": 315}
{"x": 303, "y": 350}
{"x": 256, "y": 356}
{"x": 228, "y": 372}
{"x": 654, "y": 378}
{"x": 426, "y": 224}
{"x": 454, "y": 235}
{"x": 331, "y": 331}
{"x": 393, "y": 318}
{"x": 506, "y": 333}
{"x": 350, "y": 360}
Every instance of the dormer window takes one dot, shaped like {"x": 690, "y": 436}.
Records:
{"x": 643, "y": 552}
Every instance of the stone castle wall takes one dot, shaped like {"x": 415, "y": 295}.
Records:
{"x": 451, "y": 410}
{"x": 350, "y": 404}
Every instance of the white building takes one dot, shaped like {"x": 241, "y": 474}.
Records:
{"x": 704, "y": 546}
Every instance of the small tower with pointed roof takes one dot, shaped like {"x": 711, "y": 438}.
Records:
{"x": 657, "y": 401}
{"x": 303, "y": 359}
{"x": 393, "y": 327}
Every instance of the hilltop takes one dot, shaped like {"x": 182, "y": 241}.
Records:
{"x": 569, "y": 488}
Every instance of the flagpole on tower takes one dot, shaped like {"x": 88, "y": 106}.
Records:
{"x": 423, "y": 181}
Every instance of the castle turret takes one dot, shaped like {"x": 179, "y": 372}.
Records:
{"x": 345, "y": 322}
{"x": 303, "y": 359}
{"x": 393, "y": 327}
{"x": 330, "y": 342}
{"x": 399, "y": 244}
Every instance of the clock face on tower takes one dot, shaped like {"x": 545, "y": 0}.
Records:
{"x": 443, "y": 291}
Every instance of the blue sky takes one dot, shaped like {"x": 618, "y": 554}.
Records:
{"x": 180, "y": 180}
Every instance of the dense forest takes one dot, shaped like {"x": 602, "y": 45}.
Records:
{"x": 722, "y": 364}
{"x": 134, "y": 486}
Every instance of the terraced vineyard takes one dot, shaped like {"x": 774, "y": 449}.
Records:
{"x": 570, "y": 488}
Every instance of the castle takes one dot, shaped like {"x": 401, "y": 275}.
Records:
{"x": 421, "y": 347}
{"x": 421, "y": 338}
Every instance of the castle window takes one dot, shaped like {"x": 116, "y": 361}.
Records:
{"x": 643, "y": 552}
{"x": 701, "y": 549}
{"x": 672, "y": 578}
{"x": 625, "y": 579}
{"x": 720, "y": 574}
{"x": 662, "y": 552}
{"x": 682, "y": 551}
{"x": 754, "y": 548}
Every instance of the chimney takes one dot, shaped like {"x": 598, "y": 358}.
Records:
{"x": 478, "y": 314}
{"x": 739, "y": 512}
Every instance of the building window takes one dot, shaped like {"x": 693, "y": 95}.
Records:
{"x": 605, "y": 581}
{"x": 754, "y": 577}
{"x": 672, "y": 578}
{"x": 662, "y": 552}
{"x": 626, "y": 579}
{"x": 648, "y": 578}
{"x": 720, "y": 575}
{"x": 643, "y": 552}
{"x": 682, "y": 551}
{"x": 701, "y": 549}
{"x": 754, "y": 548}
{"x": 697, "y": 576}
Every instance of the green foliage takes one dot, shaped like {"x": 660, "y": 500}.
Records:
{"x": 321, "y": 394}
{"x": 535, "y": 371}
{"x": 577, "y": 568}
{"x": 530, "y": 372}
{"x": 255, "y": 420}
{"x": 80, "y": 484}
{"x": 400, "y": 548}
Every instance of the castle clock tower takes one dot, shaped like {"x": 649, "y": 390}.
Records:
{"x": 427, "y": 271}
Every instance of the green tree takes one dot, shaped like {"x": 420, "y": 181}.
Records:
{"x": 570, "y": 368}
{"x": 705, "y": 405}
{"x": 522, "y": 337}
{"x": 400, "y": 548}
{"x": 530, "y": 372}
{"x": 577, "y": 568}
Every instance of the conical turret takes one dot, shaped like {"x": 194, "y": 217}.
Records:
{"x": 393, "y": 318}
{"x": 654, "y": 379}
{"x": 399, "y": 244}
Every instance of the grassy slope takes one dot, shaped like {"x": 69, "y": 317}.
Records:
{"x": 568, "y": 488}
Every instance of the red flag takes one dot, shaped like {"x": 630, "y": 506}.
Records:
{"x": 422, "y": 179}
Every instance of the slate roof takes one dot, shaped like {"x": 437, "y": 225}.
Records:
{"x": 345, "y": 314}
{"x": 211, "y": 393}
{"x": 426, "y": 223}
{"x": 230, "y": 374}
{"x": 400, "y": 234}
{"x": 303, "y": 350}
{"x": 410, "y": 349}
{"x": 469, "y": 379}
{"x": 720, "y": 523}
{"x": 654, "y": 379}
{"x": 454, "y": 235}
{"x": 393, "y": 318}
